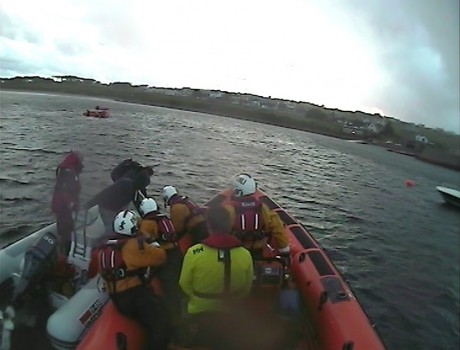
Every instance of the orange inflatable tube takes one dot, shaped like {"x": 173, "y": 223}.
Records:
{"x": 112, "y": 330}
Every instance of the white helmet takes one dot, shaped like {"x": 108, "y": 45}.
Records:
{"x": 243, "y": 185}
{"x": 125, "y": 223}
{"x": 147, "y": 205}
{"x": 167, "y": 193}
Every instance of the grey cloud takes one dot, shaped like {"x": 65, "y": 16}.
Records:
{"x": 69, "y": 48}
{"x": 12, "y": 29}
{"x": 419, "y": 47}
{"x": 7, "y": 27}
{"x": 11, "y": 66}
{"x": 120, "y": 26}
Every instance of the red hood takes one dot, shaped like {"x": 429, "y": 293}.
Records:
{"x": 221, "y": 241}
{"x": 72, "y": 161}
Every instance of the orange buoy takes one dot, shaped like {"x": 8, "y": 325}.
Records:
{"x": 409, "y": 183}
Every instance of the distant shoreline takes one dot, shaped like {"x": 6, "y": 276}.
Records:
{"x": 264, "y": 117}
{"x": 253, "y": 118}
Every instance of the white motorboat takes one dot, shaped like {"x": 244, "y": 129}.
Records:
{"x": 450, "y": 195}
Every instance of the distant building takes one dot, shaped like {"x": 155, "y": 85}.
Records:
{"x": 373, "y": 128}
{"x": 420, "y": 138}
{"x": 352, "y": 131}
{"x": 215, "y": 94}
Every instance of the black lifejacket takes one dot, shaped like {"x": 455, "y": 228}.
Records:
{"x": 194, "y": 208}
{"x": 127, "y": 168}
{"x": 166, "y": 230}
{"x": 249, "y": 222}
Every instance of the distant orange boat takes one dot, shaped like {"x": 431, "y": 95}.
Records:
{"x": 98, "y": 113}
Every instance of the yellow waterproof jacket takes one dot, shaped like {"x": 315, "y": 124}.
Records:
{"x": 150, "y": 228}
{"x": 137, "y": 255}
{"x": 272, "y": 226}
{"x": 180, "y": 214}
{"x": 202, "y": 276}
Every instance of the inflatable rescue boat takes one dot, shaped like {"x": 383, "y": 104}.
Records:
{"x": 309, "y": 307}
{"x": 98, "y": 113}
{"x": 314, "y": 303}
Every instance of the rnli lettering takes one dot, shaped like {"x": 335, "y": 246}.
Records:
{"x": 91, "y": 313}
{"x": 198, "y": 250}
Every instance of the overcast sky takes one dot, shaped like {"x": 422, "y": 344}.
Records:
{"x": 397, "y": 57}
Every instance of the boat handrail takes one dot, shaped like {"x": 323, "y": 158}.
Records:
{"x": 84, "y": 225}
{"x": 84, "y": 230}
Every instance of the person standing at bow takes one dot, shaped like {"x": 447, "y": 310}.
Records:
{"x": 66, "y": 196}
{"x": 186, "y": 216}
{"x": 253, "y": 222}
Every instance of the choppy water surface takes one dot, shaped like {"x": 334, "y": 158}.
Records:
{"x": 397, "y": 246}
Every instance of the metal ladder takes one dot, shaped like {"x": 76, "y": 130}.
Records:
{"x": 80, "y": 247}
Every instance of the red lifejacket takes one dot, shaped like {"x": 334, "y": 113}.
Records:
{"x": 112, "y": 266}
{"x": 249, "y": 222}
{"x": 194, "y": 209}
{"x": 166, "y": 230}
